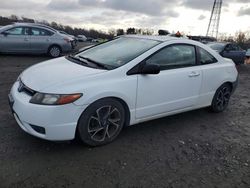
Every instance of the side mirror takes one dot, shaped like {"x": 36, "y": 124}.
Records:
{"x": 150, "y": 69}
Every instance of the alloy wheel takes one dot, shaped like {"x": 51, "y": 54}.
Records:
{"x": 223, "y": 97}
{"x": 104, "y": 123}
{"x": 54, "y": 51}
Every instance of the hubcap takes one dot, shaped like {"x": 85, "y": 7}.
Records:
{"x": 104, "y": 123}
{"x": 223, "y": 98}
{"x": 55, "y": 52}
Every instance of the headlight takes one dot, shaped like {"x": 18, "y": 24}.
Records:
{"x": 54, "y": 99}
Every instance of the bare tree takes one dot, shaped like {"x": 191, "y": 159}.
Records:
{"x": 240, "y": 38}
{"x": 119, "y": 32}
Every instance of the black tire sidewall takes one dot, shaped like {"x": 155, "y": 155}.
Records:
{"x": 82, "y": 127}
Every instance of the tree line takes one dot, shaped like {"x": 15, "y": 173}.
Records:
{"x": 93, "y": 33}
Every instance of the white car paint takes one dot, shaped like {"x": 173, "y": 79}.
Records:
{"x": 147, "y": 96}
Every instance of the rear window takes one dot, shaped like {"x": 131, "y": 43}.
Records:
{"x": 206, "y": 57}
{"x": 40, "y": 32}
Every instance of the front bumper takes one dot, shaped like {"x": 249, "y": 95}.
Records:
{"x": 59, "y": 122}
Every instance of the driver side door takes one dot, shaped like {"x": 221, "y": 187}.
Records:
{"x": 16, "y": 39}
{"x": 175, "y": 88}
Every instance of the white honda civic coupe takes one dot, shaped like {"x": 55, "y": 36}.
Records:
{"x": 95, "y": 93}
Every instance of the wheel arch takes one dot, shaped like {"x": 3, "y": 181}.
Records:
{"x": 232, "y": 84}
{"x": 124, "y": 104}
{"x": 229, "y": 83}
{"x": 119, "y": 99}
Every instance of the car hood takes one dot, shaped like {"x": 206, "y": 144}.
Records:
{"x": 54, "y": 72}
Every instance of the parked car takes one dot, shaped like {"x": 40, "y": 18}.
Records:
{"x": 81, "y": 38}
{"x": 97, "y": 92}
{"x": 90, "y": 39}
{"x": 229, "y": 50}
{"x": 33, "y": 39}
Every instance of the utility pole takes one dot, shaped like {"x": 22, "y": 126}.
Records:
{"x": 213, "y": 26}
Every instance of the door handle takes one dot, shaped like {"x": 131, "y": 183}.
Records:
{"x": 194, "y": 74}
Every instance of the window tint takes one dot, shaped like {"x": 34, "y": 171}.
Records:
{"x": 18, "y": 31}
{"x": 206, "y": 57}
{"x": 174, "y": 56}
{"x": 40, "y": 32}
{"x": 236, "y": 47}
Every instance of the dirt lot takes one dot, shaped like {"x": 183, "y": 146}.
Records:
{"x": 194, "y": 149}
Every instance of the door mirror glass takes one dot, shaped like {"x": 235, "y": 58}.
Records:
{"x": 150, "y": 69}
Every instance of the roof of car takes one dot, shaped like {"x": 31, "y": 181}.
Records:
{"x": 154, "y": 37}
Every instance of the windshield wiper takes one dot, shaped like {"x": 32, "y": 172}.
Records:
{"x": 78, "y": 60}
{"x": 95, "y": 62}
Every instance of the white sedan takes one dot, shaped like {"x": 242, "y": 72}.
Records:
{"x": 126, "y": 81}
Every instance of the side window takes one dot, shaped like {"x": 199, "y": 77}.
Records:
{"x": 18, "y": 31}
{"x": 232, "y": 47}
{"x": 40, "y": 32}
{"x": 229, "y": 47}
{"x": 174, "y": 56}
{"x": 206, "y": 57}
{"x": 236, "y": 47}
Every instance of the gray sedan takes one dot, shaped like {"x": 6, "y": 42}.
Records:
{"x": 33, "y": 39}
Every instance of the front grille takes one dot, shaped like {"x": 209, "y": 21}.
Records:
{"x": 23, "y": 88}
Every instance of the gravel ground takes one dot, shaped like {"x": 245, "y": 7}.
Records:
{"x": 194, "y": 149}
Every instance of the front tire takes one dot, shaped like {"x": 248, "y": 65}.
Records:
{"x": 101, "y": 122}
{"x": 54, "y": 51}
{"x": 221, "y": 98}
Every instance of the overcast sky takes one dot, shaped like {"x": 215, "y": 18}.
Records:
{"x": 190, "y": 16}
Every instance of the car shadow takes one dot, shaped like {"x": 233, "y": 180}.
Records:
{"x": 174, "y": 125}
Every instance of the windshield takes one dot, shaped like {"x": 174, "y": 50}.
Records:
{"x": 217, "y": 46}
{"x": 119, "y": 51}
{"x": 5, "y": 27}
{"x": 62, "y": 32}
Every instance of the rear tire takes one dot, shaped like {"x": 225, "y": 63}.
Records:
{"x": 101, "y": 122}
{"x": 221, "y": 98}
{"x": 54, "y": 51}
